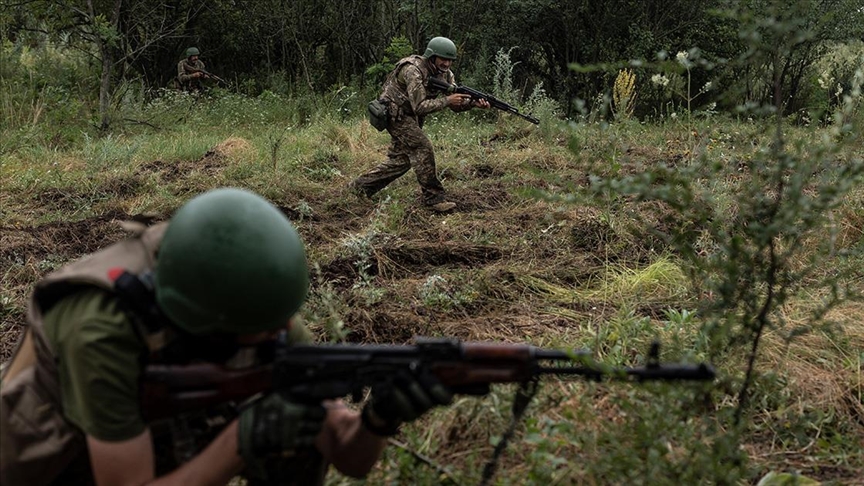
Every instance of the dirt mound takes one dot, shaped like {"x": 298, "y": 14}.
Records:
{"x": 230, "y": 149}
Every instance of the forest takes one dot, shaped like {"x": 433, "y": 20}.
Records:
{"x": 696, "y": 179}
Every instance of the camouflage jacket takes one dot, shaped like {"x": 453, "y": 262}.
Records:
{"x": 405, "y": 87}
{"x": 185, "y": 71}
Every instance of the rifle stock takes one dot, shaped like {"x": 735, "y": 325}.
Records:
{"x": 318, "y": 372}
{"x": 448, "y": 88}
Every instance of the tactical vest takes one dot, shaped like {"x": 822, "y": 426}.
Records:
{"x": 396, "y": 93}
{"x": 37, "y": 445}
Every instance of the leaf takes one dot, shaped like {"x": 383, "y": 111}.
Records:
{"x": 786, "y": 479}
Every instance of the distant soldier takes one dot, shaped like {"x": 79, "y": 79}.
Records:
{"x": 190, "y": 71}
{"x": 409, "y": 101}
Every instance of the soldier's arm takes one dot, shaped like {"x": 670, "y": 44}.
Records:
{"x": 131, "y": 462}
{"x": 345, "y": 442}
{"x": 181, "y": 73}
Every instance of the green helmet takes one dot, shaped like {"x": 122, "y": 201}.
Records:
{"x": 230, "y": 262}
{"x": 192, "y": 51}
{"x": 441, "y": 47}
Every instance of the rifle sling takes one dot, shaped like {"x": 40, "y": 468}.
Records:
{"x": 526, "y": 392}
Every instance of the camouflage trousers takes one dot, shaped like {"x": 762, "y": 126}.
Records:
{"x": 409, "y": 148}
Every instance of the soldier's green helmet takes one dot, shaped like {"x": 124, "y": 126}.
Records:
{"x": 192, "y": 51}
{"x": 441, "y": 47}
{"x": 230, "y": 262}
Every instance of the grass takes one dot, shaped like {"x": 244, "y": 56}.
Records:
{"x": 507, "y": 265}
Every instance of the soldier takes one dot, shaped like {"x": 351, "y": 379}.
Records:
{"x": 217, "y": 281}
{"x": 409, "y": 102}
{"x": 189, "y": 71}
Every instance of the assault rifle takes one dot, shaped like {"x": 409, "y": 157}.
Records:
{"x": 190, "y": 70}
{"x": 312, "y": 373}
{"x": 441, "y": 85}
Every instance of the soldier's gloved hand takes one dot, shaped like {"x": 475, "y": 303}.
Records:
{"x": 274, "y": 425}
{"x": 404, "y": 399}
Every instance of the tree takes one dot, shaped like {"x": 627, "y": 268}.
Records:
{"x": 116, "y": 33}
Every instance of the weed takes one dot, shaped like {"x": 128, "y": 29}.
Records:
{"x": 437, "y": 294}
{"x": 624, "y": 94}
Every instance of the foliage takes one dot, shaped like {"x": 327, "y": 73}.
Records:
{"x": 751, "y": 254}
{"x": 502, "y": 81}
{"x": 399, "y": 48}
{"x": 832, "y": 75}
{"x": 781, "y": 41}
{"x": 624, "y": 94}
{"x": 47, "y": 84}
{"x": 293, "y": 48}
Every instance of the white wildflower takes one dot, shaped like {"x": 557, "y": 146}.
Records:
{"x": 673, "y": 116}
{"x": 660, "y": 80}
{"x": 682, "y": 58}
{"x": 825, "y": 80}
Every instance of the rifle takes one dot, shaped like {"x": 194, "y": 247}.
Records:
{"x": 312, "y": 373}
{"x": 448, "y": 88}
{"x": 205, "y": 73}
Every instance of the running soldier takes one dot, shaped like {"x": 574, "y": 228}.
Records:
{"x": 409, "y": 101}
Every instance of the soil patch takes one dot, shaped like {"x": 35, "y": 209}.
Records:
{"x": 72, "y": 199}
{"x": 408, "y": 259}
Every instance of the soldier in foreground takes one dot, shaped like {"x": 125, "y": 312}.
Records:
{"x": 215, "y": 284}
{"x": 408, "y": 101}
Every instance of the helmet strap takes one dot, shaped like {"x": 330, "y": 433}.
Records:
{"x": 168, "y": 342}
{"x": 138, "y": 298}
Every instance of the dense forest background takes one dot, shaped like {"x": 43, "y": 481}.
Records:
{"x": 131, "y": 47}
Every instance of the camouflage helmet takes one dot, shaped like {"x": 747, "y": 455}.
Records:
{"x": 441, "y": 47}
{"x": 230, "y": 262}
{"x": 192, "y": 51}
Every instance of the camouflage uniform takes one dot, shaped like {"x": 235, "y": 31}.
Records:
{"x": 409, "y": 102}
{"x": 184, "y": 74}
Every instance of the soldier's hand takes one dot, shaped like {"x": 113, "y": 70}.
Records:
{"x": 458, "y": 100}
{"x": 197, "y": 75}
{"x": 403, "y": 399}
{"x": 274, "y": 425}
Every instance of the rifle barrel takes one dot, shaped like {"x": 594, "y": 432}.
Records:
{"x": 700, "y": 372}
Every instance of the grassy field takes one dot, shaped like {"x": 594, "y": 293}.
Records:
{"x": 521, "y": 259}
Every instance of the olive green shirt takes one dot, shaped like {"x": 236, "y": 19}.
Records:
{"x": 100, "y": 356}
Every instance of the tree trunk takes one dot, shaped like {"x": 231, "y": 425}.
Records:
{"x": 106, "y": 53}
